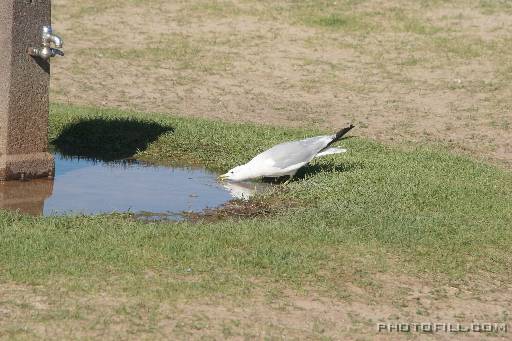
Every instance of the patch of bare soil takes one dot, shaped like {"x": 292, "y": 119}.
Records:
{"x": 36, "y": 312}
{"x": 244, "y": 209}
{"x": 436, "y": 74}
{"x": 234, "y": 209}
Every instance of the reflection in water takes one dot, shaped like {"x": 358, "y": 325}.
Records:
{"x": 245, "y": 190}
{"x": 25, "y": 196}
{"x": 84, "y": 186}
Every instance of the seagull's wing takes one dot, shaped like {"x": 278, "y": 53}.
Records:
{"x": 291, "y": 154}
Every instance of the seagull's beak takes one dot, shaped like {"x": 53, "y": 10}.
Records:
{"x": 222, "y": 177}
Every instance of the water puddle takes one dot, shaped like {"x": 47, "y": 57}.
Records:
{"x": 85, "y": 186}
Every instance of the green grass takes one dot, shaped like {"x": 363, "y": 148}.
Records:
{"x": 375, "y": 209}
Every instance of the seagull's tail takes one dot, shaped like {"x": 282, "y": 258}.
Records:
{"x": 340, "y": 134}
{"x": 329, "y": 151}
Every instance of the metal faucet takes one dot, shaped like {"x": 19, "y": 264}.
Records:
{"x": 46, "y": 51}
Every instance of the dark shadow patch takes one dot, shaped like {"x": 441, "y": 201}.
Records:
{"x": 276, "y": 181}
{"x": 43, "y": 64}
{"x": 108, "y": 139}
{"x": 312, "y": 169}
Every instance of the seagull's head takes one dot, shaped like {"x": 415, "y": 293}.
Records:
{"x": 239, "y": 173}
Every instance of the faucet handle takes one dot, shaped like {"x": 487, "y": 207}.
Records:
{"x": 44, "y": 52}
{"x": 56, "y": 52}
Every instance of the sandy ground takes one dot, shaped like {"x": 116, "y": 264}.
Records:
{"x": 402, "y": 72}
{"x": 33, "y": 312}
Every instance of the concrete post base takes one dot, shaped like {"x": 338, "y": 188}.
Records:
{"x": 26, "y": 166}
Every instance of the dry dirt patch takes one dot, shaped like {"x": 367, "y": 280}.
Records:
{"x": 35, "y": 312}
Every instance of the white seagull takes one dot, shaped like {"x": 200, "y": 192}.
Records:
{"x": 286, "y": 158}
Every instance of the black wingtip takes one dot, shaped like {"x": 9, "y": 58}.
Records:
{"x": 340, "y": 134}
{"x": 343, "y": 131}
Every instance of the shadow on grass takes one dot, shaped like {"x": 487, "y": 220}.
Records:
{"x": 108, "y": 139}
{"x": 312, "y": 169}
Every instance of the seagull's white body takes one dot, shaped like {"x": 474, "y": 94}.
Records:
{"x": 265, "y": 165}
{"x": 286, "y": 158}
